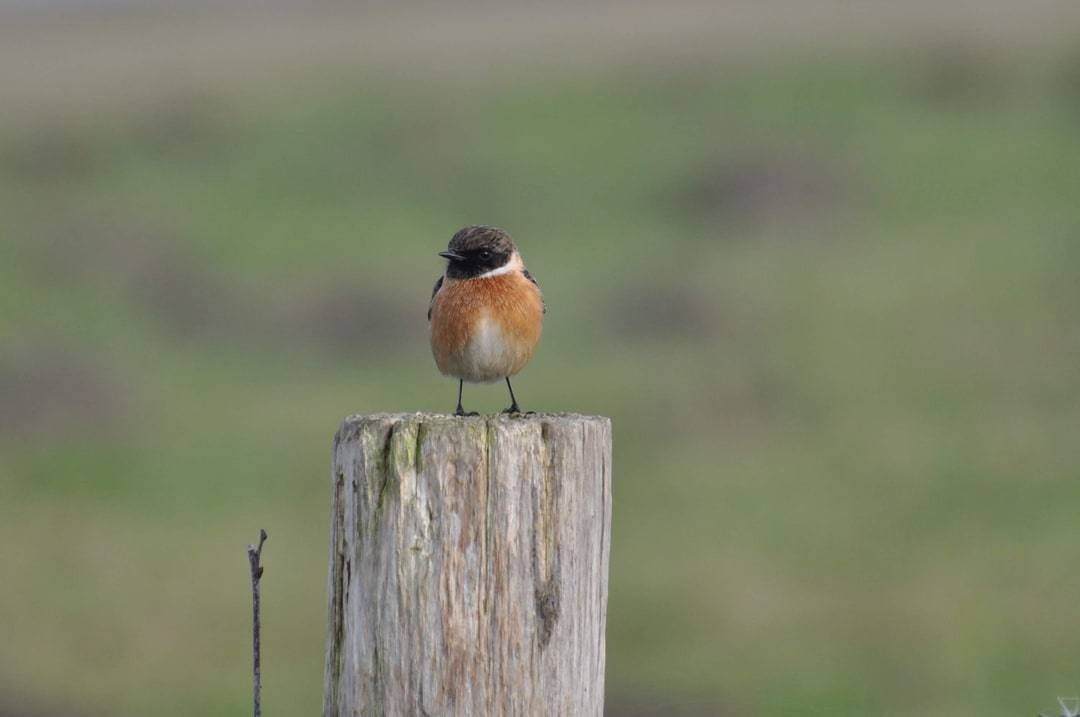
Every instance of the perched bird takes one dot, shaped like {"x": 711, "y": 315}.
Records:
{"x": 486, "y": 311}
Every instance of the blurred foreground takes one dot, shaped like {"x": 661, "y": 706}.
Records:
{"x": 827, "y": 291}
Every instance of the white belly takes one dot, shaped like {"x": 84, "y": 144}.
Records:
{"x": 488, "y": 356}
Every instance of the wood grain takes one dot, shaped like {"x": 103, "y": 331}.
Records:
{"x": 468, "y": 565}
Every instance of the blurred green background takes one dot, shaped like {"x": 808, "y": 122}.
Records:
{"x": 819, "y": 261}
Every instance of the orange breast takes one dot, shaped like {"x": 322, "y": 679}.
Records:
{"x": 485, "y": 329}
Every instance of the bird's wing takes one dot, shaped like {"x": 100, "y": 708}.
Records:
{"x": 438, "y": 285}
{"x": 530, "y": 278}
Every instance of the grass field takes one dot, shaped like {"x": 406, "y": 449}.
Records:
{"x": 830, "y": 301}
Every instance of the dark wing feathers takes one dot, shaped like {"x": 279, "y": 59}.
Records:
{"x": 438, "y": 285}
{"x": 530, "y": 278}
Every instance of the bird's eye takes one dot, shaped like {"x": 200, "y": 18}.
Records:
{"x": 485, "y": 254}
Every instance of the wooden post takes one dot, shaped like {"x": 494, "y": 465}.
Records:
{"x": 468, "y": 566}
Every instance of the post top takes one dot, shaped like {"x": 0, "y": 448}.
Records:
{"x": 470, "y": 427}
{"x": 493, "y": 419}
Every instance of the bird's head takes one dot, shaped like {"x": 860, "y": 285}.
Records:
{"x": 478, "y": 250}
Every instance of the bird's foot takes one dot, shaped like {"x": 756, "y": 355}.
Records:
{"x": 515, "y": 410}
{"x": 463, "y": 413}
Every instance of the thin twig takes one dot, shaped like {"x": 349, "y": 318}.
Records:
{"x": 254, "y": 555}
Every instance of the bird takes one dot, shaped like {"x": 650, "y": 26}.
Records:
{"x": 486, "y": 312}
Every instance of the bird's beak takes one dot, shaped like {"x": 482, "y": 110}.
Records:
{"x": 452, "y": 256}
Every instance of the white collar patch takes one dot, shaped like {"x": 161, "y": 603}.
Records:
{"x": 514, "y": 264}
{"x": 504, "y": 269}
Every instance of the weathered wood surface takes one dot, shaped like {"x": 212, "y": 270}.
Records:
{"x": 468, "y": 566}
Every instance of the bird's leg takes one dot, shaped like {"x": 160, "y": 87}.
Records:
{"x": 513, "y": 401}
{"x": 461, "y": 411}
